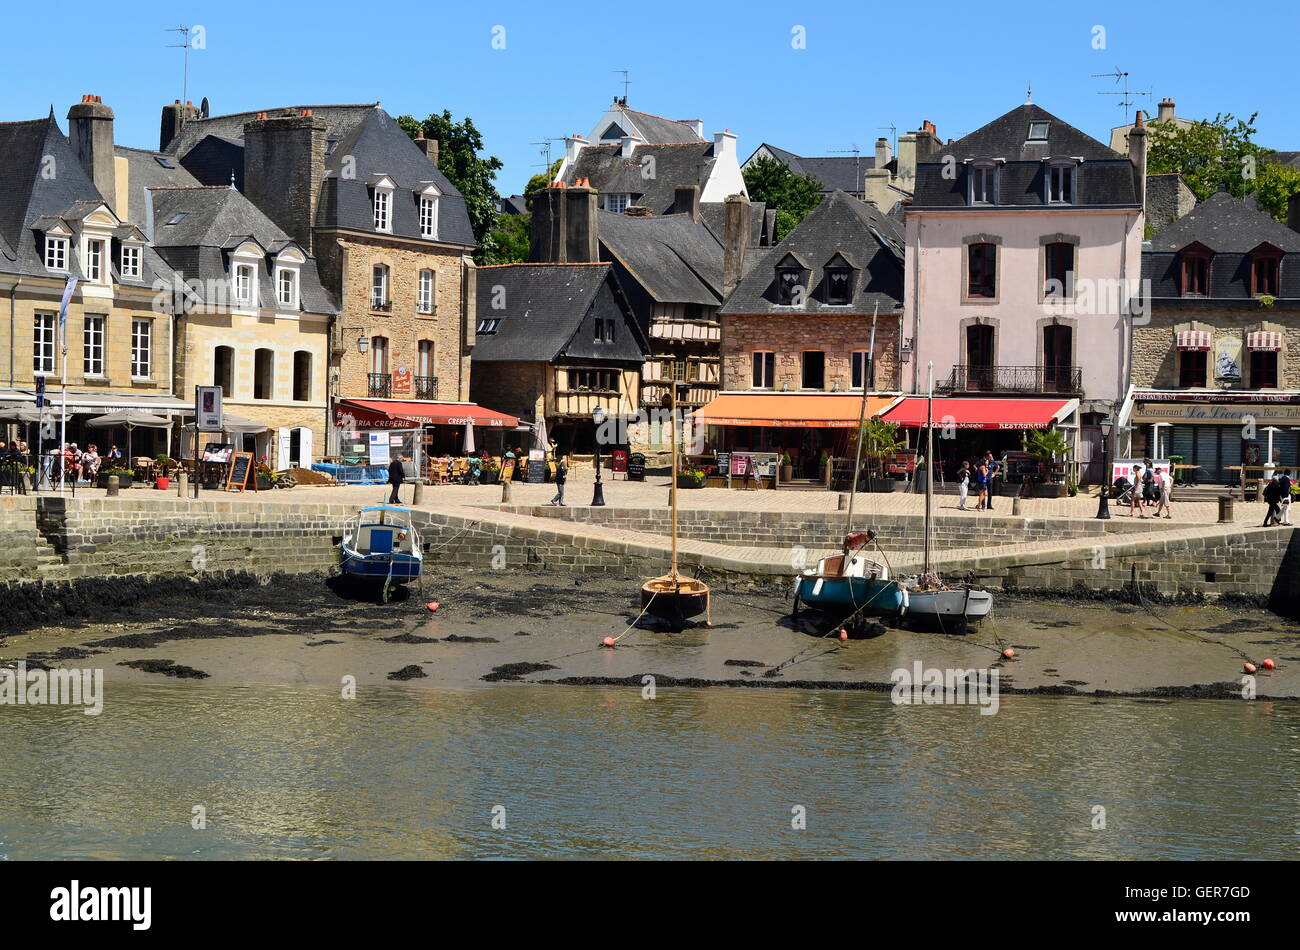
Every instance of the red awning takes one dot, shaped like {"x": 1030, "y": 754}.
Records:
{"x": 1193, "y": 339}
{"x": 402, "y": 414}
{"x": 959, "y": 413}
{"x": 789, "y": 410}
{"x": 1267, "y": 340}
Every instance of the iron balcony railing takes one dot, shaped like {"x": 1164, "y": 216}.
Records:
{"x": 967, "y": 378}
{"x": 380, "y": 304}
{"x": 379, "y": 385}
{"x": 426, "y": 387}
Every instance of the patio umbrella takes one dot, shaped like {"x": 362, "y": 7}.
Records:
{"x": 129, "y": 419}
{"x": 469, "y": 440}
{"x": 27, "y": 413}
{"x": 539, "y": 434}
{"x": 234, "y": 425}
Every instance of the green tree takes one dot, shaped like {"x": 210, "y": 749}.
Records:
{"x": 1275, "y": 186}
{"x": 1208, "y": 153}
{"x": 540, "y": 181}
{"x": 459, "y": 145}
{"x": 792, "y": 196}
{"x": 509, "y": 240}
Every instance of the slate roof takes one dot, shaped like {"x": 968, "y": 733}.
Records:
{"x": 546, "y": 305}
{"x": 144, "y": 172}
{"x": 675, "y": 166}
{"x": 1286, "y": 158}
{"x": 844, "y": 172}
{"x": 365, "y": 133}
{"x": 655, "y": 129}
{"x": 514, "y": 204}
{"x": 216, "y": 220}
{"x": 676, "y": 259}
{"x": 841, "y": 224}
{"x": 1226, "y": 224}
{"x": 1105, "y": 178}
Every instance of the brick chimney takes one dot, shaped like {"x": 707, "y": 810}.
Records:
{"x": 1166, "y": 110}
{"x": 90, "y": 127}
{"x": 687, "y": 201}
{"x": 174, "y": 118}
{"x": 284, "y": 161}
{"x": 582, "y": 238}
{"x": 429, "y": 147}
{"x": 1137, "y": 153}
{"x": 736, "y": 231}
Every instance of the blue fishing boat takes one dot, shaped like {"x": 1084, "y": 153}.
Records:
{"x": 851, "y": 583}
{"x": 383, "y": 545}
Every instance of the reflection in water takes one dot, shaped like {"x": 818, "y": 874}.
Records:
{"x": 411, "y": 772}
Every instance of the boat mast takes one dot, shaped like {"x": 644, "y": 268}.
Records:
{"x": 862, "y": 415}
{"x": 673, "y": 432}
{"x": 929, "y": 461}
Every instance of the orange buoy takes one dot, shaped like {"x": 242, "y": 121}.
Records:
{"x": 1248, "y": 667}
{"x": 433, "y": 605}
{"x": 1008, "y": 653}
{"x": 844, "y": 634}
{"x": 1268, "y": 664}
{"x": 607, "y": 642}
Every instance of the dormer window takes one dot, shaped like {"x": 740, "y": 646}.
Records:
{"x": 839, "y": 281}
{"x": 1195, "y": 270}
{"x": 617, "y": 203}
{"x": 243, "y": 283}
{"x": 129, "y": 261}
{"x": 286, "y": 287}
{"x": 95, "y": 261}
{"x": 791, "y": 281}
{"x": 983, "y": 184}
{"x": 56, "y": 253}
{"x": 1060, "y": 183}
{"x": 383, "y": 209}
{"x": 1265, "y": 270}
{"x": 429, "y": 214}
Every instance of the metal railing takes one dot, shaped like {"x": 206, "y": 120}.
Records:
{"x": 968, "y": 378}
{"x": 379, "y": 385}
{"x": 377, "y": 303}
{"x": 426, "y": 387}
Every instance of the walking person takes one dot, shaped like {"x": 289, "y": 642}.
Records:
{"x": 1284, "y": 490}
{"x": 982, "y": 481}
{"x": 963, "y": 485}
{"x": 1135, "y": 493}
{"x": 396, "y": 475}
{"x": 561, "y": 476}
{"x": 1272, "y": 495}
{"x": 1164, "y": 487}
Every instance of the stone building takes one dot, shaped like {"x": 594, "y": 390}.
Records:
{"x": 796, "y": 331}
{"x": 1214, "y": 365}
{"x": 389, "y": 233}
{"x": 64, "y": 215}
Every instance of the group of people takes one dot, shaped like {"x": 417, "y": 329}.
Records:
{"x": 1151, "y": 486}
{"x": 986, "y": 475}
{"x": 79, "y": 464}
{"x": 1277, "y": 492}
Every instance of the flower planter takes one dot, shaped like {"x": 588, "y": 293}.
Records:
{"x": 489, "y": 478}
{"x": 123, "y": 481}
{"x": 876, "y": 484}
{"x": 1049, "y": 491}
{"x": 163, "y": 483}
{"x": 686, "y": 481}
{"x": 787, "y": 472}
{"x": 264, "y": 483}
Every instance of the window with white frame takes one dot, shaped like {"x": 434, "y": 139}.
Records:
{"x": 616, "y": 203}
{"x": 130, "y": 260}
{"x": 141, "y": 348}
{"x": 428, "y": 216}
{"x": 983, "y": 184}
{"x": 92, "y": 363}
{"x": 43, "y": 343}
{"x": 383, "y": 209}
{"x": 764, "y": 370}
{"x": 861, "y": 370}
{"x": 1061, "y": 183}
{"x": 95, "y": 262}
{"x": 286, "y": 284}
{"x": 379, "y": 287}
{"x": 424, "y": 301}
{"x": 56, "y": 253}
{"x": 244, "y": 277}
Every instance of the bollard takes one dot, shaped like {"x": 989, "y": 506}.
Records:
{"x": 182, "y": 485}
{"x": 113, "y": 484}
{"x": 1015, "y": 507}
{"x": 505, "y": 492}
{"x": 418, "y": 493}
{"x": 843, "y": 503}
{"x": 1225, "y": 509}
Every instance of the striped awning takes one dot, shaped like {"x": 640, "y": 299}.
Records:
{"x": 1193, "y": 339}
{"x": 1264, "y": 340}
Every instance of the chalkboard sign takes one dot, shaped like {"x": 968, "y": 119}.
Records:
{"x": 536, "y": 471}
{"x": 241, "y": 463}
{"x": 636, "y": 467}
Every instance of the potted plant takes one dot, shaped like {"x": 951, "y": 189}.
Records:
{"x": 124, "y": 476}
{"x": 490, "y": 471}
{"x": 266, "y": 478}
{"x": 1044, "y": 446}
{"x": 690, "y": 477}
{"x": 880, "y": 440}
{"x": 787, "y": 467}
{"x": 162, "y": 470}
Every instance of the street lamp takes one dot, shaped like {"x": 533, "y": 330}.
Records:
{"x": 598, "y": 490}
{"x": 363, "y": 344}
{"x": 1103, "y": 503}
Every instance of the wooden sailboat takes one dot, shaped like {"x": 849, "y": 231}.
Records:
{"x": 929, "y": 599}
{"x": 672, "y": 597}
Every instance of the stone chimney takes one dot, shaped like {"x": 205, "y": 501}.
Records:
{"x": 883, "y": 152}
{"x": 548, "y": 229}
{"x": 915, "y": 147}
{"x": 284, "y": 161}
{"x": 582, "y": 237}
{"x": 174, "y": 118}
{"x": 1137, "y": 153}
{"x": 1165, "y": 110}
{"x": 1293, "y": 212}
{"x": 724, "y": 143}
{"x": 429, "y": 147}
{"x": 876, "y": 188}
{"x": 736, "y": 231}
{"x": 687, "y": 201}
{"x": 90, "y": 127}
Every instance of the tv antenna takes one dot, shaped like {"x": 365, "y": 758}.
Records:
{"x": 545, "y": 149}
{"x": 857, "y": 164}
{"x": 185, "y": 84}
{"x": 893, "y": 134}
{"x": 1120, "y": 76}
{"x": 626, "y": 81}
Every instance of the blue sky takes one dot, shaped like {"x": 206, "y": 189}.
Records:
{"x": 865, "y": 65}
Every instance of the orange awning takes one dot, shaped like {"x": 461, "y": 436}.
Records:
{"x": 792, "y": 410}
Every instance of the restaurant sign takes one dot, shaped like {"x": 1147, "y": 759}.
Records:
{"x": 1262, "y": 413}
{"x": 353, "y": 418}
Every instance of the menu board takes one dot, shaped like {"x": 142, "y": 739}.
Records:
{"x": 636, "y": 467}
{"x": 618, "y": 460}
{"x": 536, "y": 466}
{"x": 241, "y": 463}
{"x": 218, "y": 452}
